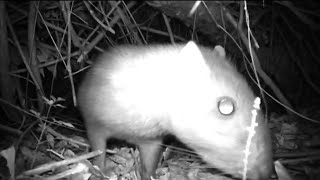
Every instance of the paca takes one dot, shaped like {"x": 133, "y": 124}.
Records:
{"x": 142, "y": 93}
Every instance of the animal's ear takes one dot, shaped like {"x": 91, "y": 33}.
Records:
{"x": 192, "y": 58}
{"x": 220, "y": 51}
{"x": 191, "y": 51}
{"x": 193, "y": 62}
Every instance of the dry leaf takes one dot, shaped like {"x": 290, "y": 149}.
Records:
{"x": 10, "y": 154}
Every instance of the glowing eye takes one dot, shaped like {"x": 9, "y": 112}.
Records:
{"x": 226, "y": 106}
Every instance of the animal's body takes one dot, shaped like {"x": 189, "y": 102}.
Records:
{"x": 141, "y": 93}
